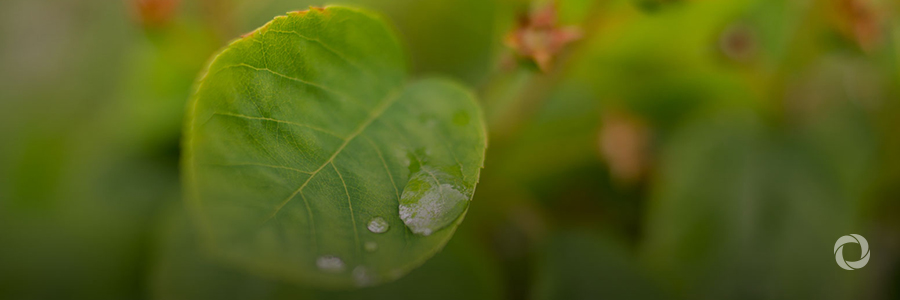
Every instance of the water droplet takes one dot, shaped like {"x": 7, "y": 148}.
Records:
{"x": 378, "y": 225}
{"x": 396, "y": 274}
{"x": 431, "y": 201}
{"x": 361, "y": 276}
{"x": 371, "y": 246}
{"x": 330, "y": 263}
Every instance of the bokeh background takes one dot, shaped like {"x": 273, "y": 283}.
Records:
{"x": 639, "y": 149}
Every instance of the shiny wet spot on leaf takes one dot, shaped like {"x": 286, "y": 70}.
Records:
{"x": 330, "y": 263}
{"x": 430, "y": 202}
{"x": 378, "y": 225}
{"x": 371, "y": 246}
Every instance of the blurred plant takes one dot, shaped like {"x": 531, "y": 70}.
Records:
{"x": 625, "y": 144}
{"x": 676, "y": 149}
{"x": 155, "y": 13}
{"x": 539, "y": 37}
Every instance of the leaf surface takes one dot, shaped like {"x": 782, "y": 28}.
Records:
{"x": 302, "y": 139}
{"x": 463, "y": 270}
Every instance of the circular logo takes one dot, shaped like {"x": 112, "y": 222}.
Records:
{"x": 839, "y": 252}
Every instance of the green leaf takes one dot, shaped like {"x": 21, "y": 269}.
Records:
{"x": 305, "y": 146}
{"x": 457, "y": 38}
{"x": 740, "y": 207}
{"x": 463, "y": 270}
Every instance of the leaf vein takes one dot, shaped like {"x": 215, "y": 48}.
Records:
{"x": 390, "y": 99}
{"x": 324, "y": 88}
{"x": 386, "y": 169}
{"x": 281, "y": 121}
{"x": 312, "y": 223}
{"x": 320, "y": 43}
{"x": 350, "y": 205}
{"x": 393, "y": 184}
{"x": 243, "y": 164}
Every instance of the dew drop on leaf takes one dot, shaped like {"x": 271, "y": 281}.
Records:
{"x": 431, "y": 201}
{"x": 378, "y": 225}
{"x": 330, "y": 263}
{"x": 361, "y": 276}
{"x": 371, "y": 246}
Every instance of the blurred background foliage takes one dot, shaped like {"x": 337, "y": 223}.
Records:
{"x": 639, "y": 149}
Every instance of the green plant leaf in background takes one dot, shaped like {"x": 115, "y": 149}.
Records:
{"x": 578, "y": 264}
{"x": 309, "y": 158}
{"x": 789, "y": 201}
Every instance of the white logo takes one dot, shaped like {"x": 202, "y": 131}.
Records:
{"x": 839, "y": 252}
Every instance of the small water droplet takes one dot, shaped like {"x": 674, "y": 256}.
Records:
{"x": 361, "y": 276}
{"x": 330, "y": 263}
{"x": 378, "y": 225}
{"x": 396, "y": 274}
{"x": 430, "y": 202}
{"x": 371, "y": 246}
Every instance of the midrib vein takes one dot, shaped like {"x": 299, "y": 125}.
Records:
{"x": 390, "y": 99}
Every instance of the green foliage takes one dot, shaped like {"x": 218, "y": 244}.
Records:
{"x": 308, "y": 156}
{"x": 580, "y": 265}
{"x": 458, "y": 38}
{"x": 678, "y": 150}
